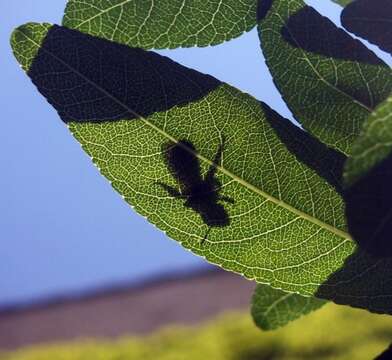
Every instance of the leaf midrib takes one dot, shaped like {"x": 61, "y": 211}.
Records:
{"x": 243, "y": 182}
{"x": 102, "y": 12}
{"x": 276, "y": 302}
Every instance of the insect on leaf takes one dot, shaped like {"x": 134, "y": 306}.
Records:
{"x": 200, "y": 195}
{"x": 285, "y": 222}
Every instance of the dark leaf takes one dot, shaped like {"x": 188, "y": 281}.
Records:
{"x": 330, "y": 81}
{"x": 284, "y": 223}
{"x": 371, "y": 20}
{"x": 386, "y": 355}
{"x": 368, "y": 175}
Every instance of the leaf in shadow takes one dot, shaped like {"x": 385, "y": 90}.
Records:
{"x": 368, "y": 197}
{"x": 327, "y": 162}
{"x": 371, "y": 20}
{"x": 309, "y": 31}
{"x": 162, "y": 24}
{"x": 88, "y": 79}
{"x": 386, "y": 355}
{"x": 360, "y": 270}
{"x": 263, "y": 8}
{"x": 369, "y": 209}
{"x": 287, "y": 226}
{"x": 329, "y": 80}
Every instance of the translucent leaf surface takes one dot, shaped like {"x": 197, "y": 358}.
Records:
{"x": 330, "y": 81}
{"x": 371, "y": 20}
{"x": 162, "y": 24}
{"x": 272, "y": 308}
{"x": 163, "y": 135}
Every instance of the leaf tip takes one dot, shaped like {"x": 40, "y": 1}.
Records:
{"x": 25, "y": 42}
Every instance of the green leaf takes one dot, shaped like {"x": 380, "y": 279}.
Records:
{"x": 273, "y": 308}
{"x": 373, "y": 145}
{"x": 343, "y": 2}
{"x": 371, "y": 20}
{"x": 369, "y": 177}
{"x": 330, "y": 81}
{"x": 153, "y": 126}
{"x": 162, "y": 24}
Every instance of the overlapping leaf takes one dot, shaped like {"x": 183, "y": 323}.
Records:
{"x": 343, "y": 2}
{"x": 283, "y": 220}
{"x": 368, "y": 174}
{"x": 371, "y": 20}
{"x": 373, "y": 145}
{"x": 162, "y": 24}
{"x": 330, "y": 81}
{"x": 272, "y": 308}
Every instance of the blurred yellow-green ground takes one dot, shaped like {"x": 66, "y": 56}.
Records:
{"x": 334, "y": 332}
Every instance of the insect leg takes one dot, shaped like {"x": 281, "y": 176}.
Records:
{"x": 227, "y": 199}
{"x": 171, "y": 191}
{"x": 217, "y": 160}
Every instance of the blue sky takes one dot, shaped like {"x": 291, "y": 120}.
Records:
{"x": 63, "y": 228}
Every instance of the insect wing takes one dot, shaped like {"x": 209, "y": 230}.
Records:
{"x": 183, "y": 164}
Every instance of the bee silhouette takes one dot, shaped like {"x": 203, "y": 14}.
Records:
{"x": 200, "y": 195}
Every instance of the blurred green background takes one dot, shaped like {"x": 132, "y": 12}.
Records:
{"x": 334, "y": 332}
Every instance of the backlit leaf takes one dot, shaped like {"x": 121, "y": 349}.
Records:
{"x": 373, "y": 145}
{"x": 330, "y": 81}
{"x": 343, "y": 2}
{"x": 162, "y": 24}
{"x": 155, "y": 129}
{"x": 273, "y": 308}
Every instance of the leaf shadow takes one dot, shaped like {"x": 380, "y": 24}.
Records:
{"x": 369, "y": 209}
{"x": 310, "y": 31}
{"x": 366, "y": 202}
{"x": 363, "y": 281}
{"x": 89, "y": 79}
{"x": 325, "y": 161}
{"x": 371, "y": 20}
